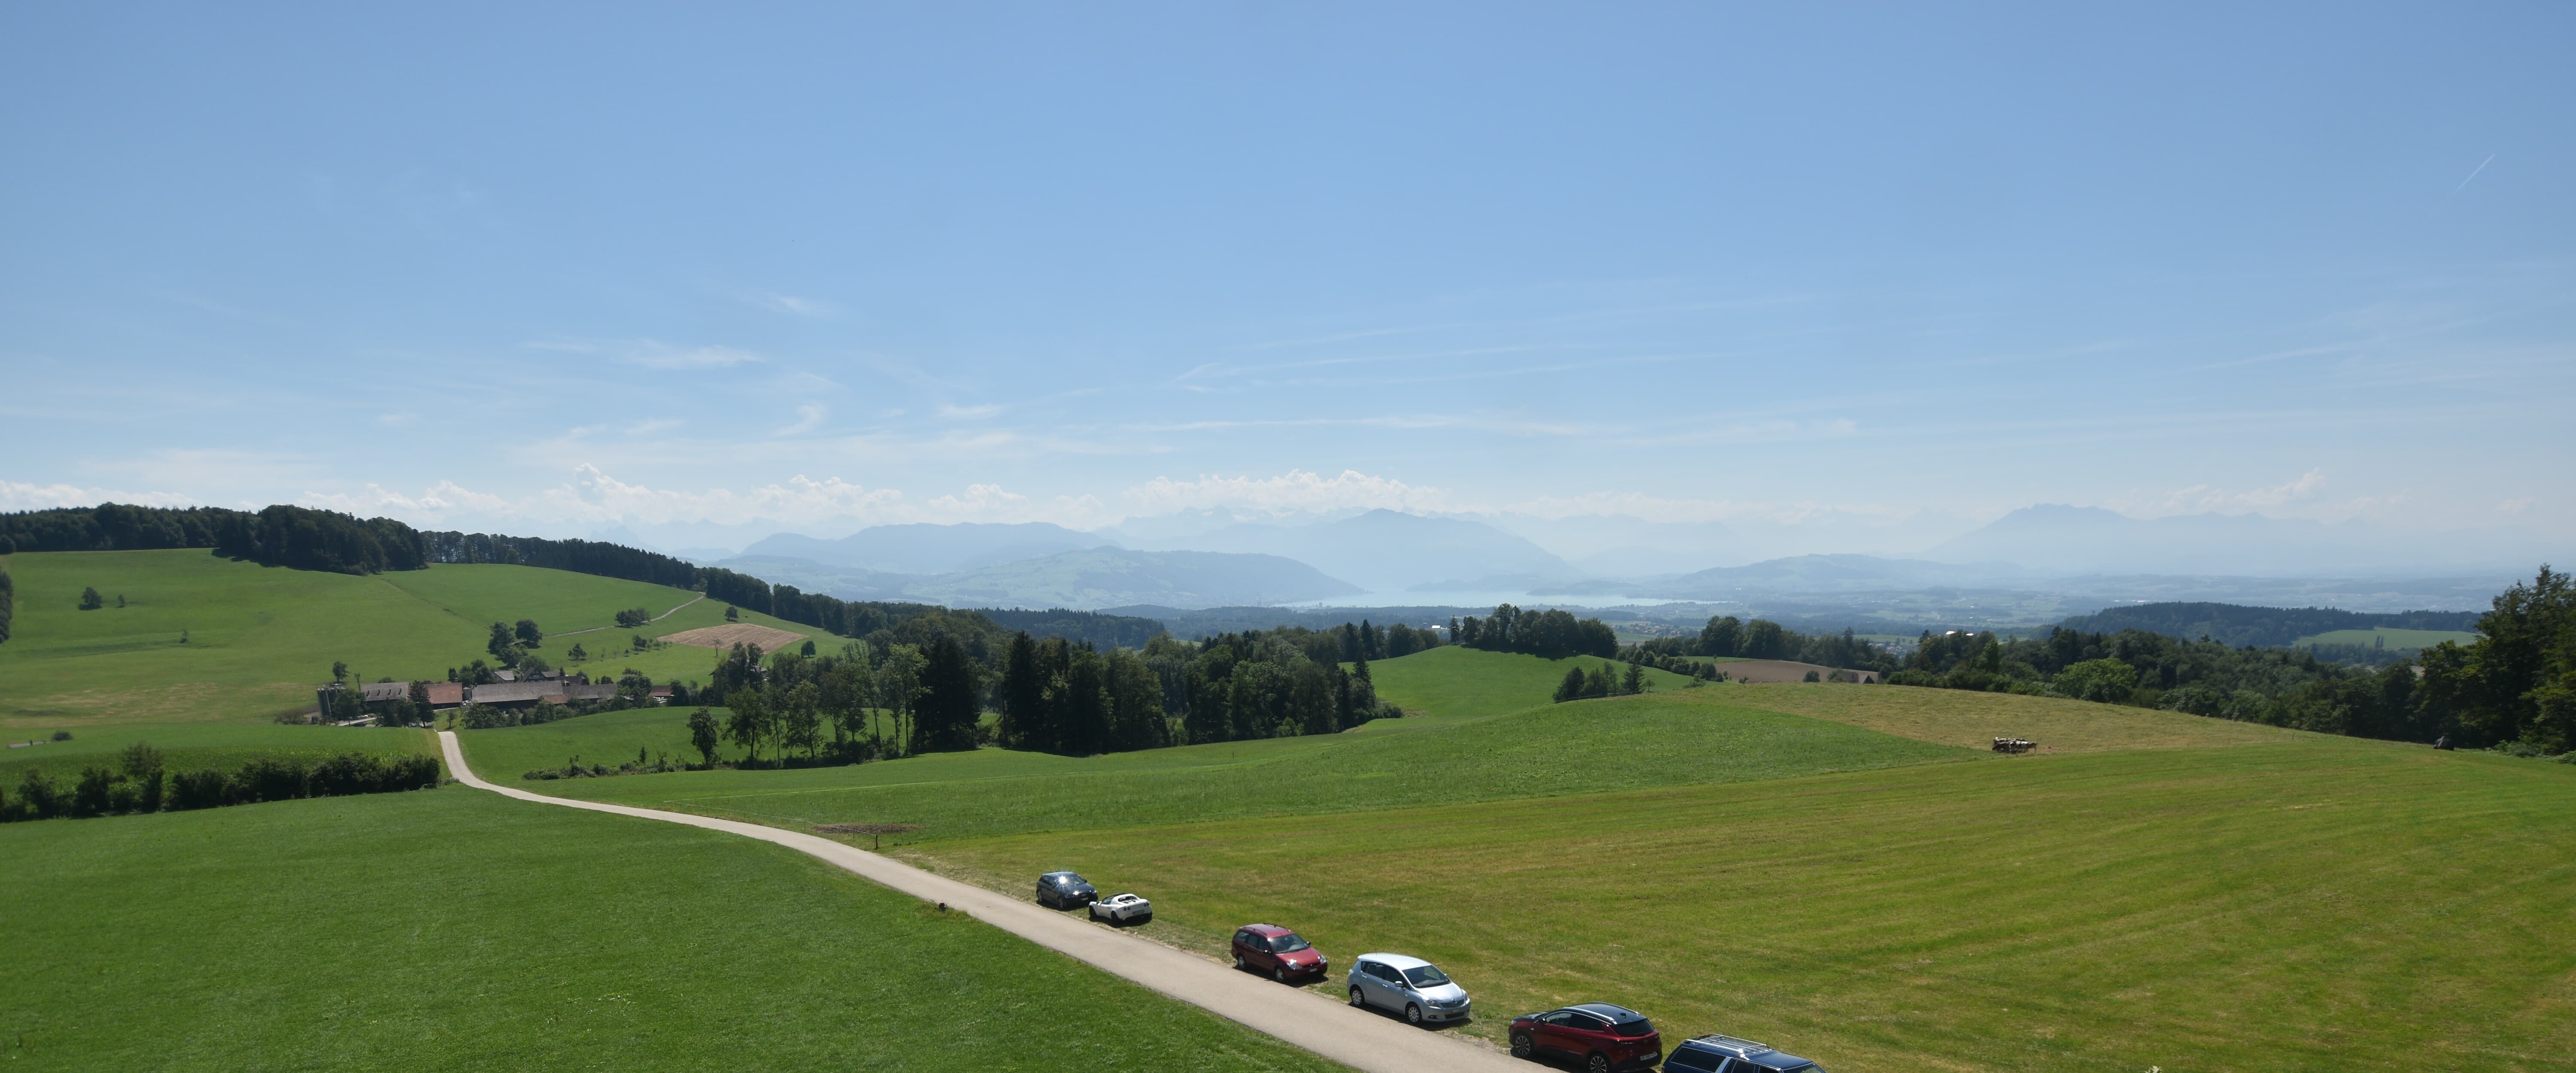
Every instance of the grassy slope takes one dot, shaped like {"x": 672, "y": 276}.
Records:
{"x": 451, "y": 929}
{"x": 260, "y": 638}
{"x": 1587, "y": 746}
{"x": 223, "y": 746}
{"x": 1452, "y": 680}
{"x": 2316, "y": 904}
{"x": 1974, "y": 720}
{"x": 2394, "y": 638}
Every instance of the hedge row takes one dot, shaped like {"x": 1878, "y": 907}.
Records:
{"x": 103, "y": 791}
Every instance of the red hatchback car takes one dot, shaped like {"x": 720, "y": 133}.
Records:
{"x": 1601, "y": 1036}
{"x": 1275, "y": 950}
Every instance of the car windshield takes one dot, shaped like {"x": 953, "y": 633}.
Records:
{"x": 1426, "y": 976}
{"x": 1286, "y": 944}
{"x": 1068, "y": 880}
{"x": 1638, "y": 1027}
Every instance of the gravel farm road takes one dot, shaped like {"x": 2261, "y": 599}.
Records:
{"x": 1357, "y": 1038}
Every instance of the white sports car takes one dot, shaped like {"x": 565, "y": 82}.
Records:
{"x": 1122, "y": 908}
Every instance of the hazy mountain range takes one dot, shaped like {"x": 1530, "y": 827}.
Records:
{"x": 1203, "y": 559}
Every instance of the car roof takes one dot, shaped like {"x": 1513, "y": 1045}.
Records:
{"x": 1615, "y": 1013}
{"x": 1395, "y": 961}
{"x": 1265, "y": 929}
{"x": 1052, "y": 875}
{"x": 1745, "y": 1048}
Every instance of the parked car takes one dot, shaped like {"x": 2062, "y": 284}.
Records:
{"x": 1727, "y": 1054}
{"x": 1122, "y": 908}
{"x": 1275, "y": 950}
{"x": 1407, "y": 985}
{"x": 1065, "y": 890}
{"x": 1601, "y": 1036}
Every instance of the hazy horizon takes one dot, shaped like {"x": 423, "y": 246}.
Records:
{"x": 1859, "y": 280}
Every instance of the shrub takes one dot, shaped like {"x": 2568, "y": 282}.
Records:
{"x": 89, "y": 795}
{"x": 2108, "y": 681}
{"x": 265, "y": 779}
{"x": 199, "y": 789}
{"x": 37, "y": 796}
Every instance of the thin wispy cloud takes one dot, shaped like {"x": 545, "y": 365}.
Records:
{"x": 792, "y": 305}
{"x": 2473, "y": 173}
{"x": 808, "y": 417}
{"x": 969, "y": 413}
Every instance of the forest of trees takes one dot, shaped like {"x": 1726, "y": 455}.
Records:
{"x": 1726, "y": 635}
{"x": 576, "y": 556}
{"x": 2516, "y": 685}
{"x": 1550, "y": 634}
{"x": 2263, "y": 627}
{"x": 1076, "y": 700}
{"x": 8, "y": 604}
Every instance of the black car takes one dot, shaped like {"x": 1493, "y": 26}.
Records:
{"x": 1065, "y": 890}
{"x": 1727, "y": 1054}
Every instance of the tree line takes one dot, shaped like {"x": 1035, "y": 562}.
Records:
{"x": 2514, "y": 686}
{"x": 8, "y": 604}
{"x": 138, "y": 782}
{"x": 2232, "y": 624}
{"x": 1726, "y": 635}
{"x": 308, "y": 539}
{"x": 1550, "y": 634}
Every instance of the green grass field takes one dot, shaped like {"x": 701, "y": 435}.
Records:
{"x": 2324, "y": 904}
{"x": 453, "y": 929}
{"x": 260, "y": 638}
{"x": 221, "y": 746}
{"x": 2389, "y": 637}
{"x": 1583, "y": 747}
{"x": 1453, "y": 680}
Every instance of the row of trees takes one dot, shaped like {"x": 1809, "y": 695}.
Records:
{"x": 8, "y": 604}
{"x": 1601, "y": 681}
{"x": 1726, "y": 635}
{"x": 2516, "y": 684}
{"x": 138, "y": 782}
{"x": 1550, "y": 634}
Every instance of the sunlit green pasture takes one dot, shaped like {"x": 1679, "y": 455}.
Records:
{"x": 1455, "y": 680}
{"x": 258, "y": 639}
{"x": 453, "y": 929}
{"x": 2321, "y": 904}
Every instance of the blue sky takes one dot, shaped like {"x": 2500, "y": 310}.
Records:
{"x": 1882, "y": 272}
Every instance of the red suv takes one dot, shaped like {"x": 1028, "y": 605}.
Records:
{"x": 1275, "y": 950}
{"x": 1602, "y": 1036}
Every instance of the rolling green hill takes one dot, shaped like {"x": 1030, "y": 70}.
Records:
{"x": 454, "y": 929}
{"x": 2388, "y": 636}
{"x": 259, "y": 638}
{"x": 1454, "y": 680}
{"x": 1582, "y": 747}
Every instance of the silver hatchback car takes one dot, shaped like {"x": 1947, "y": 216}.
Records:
{"x": 1407, "y": 985}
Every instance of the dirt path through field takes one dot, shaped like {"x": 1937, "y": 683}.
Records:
{"x": 1355, "y": 1038}
{"x": 648, "y": 622}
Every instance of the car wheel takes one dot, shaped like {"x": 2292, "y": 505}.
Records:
{"x": 1239, "y": 966}
{"x": 1413, "y": 1013}
{"x": 1598, "y": 1063}
{"x": 1358, "y": 999}
{"x": 1522, "y": 1047}
{"x": 1280, "y": 974}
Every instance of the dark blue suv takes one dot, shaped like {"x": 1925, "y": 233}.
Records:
{"x": 1727, "y": 1054}
{"x": 1065, "y": 890}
